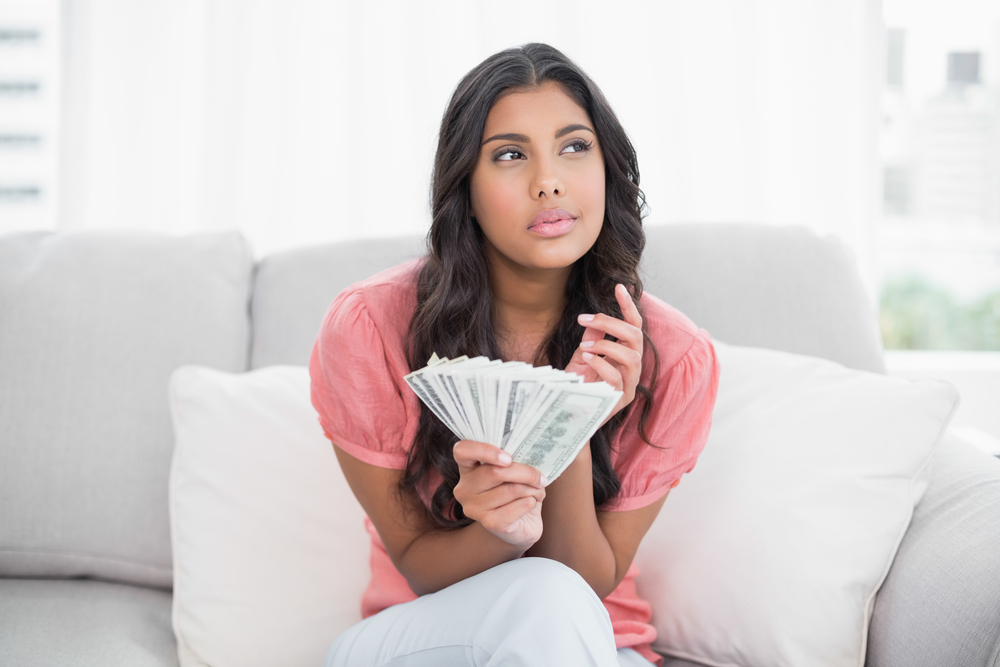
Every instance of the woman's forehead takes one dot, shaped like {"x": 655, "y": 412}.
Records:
{"x": 537, "y": 108}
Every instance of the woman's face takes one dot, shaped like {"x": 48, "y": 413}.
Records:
{"x": 538, "y": 187}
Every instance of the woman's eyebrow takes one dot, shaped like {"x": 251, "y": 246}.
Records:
{"x": 511, "y": 136}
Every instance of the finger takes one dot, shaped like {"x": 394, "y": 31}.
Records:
{"x": 630, "y": 335}
{"x": 482, "y": 478}
{"x": 470, "y": 454}
{"x": 605, "y": 370}
{"x": 507, "y": 493}
{"x": 591, "y": 333}
{"x": 626, "y": 356}
{"x": 504, "y": 517}
{"x": 629, "y": 310}
{"x": 516, "y": 473}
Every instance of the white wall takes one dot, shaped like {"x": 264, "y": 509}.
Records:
{"x": 300, "y": 122}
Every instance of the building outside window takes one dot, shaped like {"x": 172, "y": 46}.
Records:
{"x": 938, "y": 237}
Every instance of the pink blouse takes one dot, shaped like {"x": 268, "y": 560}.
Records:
{"x": 357, "y": 368}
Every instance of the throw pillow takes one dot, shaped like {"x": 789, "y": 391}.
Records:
{"x": 269, "y": 547}
{"x": 771, "y": 550}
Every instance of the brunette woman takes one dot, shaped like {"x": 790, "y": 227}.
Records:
{"x": 533, "y": 255}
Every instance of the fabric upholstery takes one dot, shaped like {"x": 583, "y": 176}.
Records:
{"x": 940, "y": 604}
{"x": 293, "y": 290}
{"x": 92, "y": 326}
{"x": 783, "y": 288}
{"x": 84, "y": 624}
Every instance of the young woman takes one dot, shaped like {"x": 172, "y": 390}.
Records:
{"x": 533, "y": 255}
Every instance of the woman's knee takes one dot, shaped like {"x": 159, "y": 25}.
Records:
{"x": 546, "y": 608}
{"x": 543, "y": 579}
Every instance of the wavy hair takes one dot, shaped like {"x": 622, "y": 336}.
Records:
{"x": 455, "y": 310}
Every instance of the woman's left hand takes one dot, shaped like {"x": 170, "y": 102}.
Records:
{"x": 616, "y": 362}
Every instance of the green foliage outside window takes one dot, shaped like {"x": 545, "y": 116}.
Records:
{"x": 916, "y": 314}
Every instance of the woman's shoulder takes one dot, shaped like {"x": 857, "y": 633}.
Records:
{"x": 389, "y": 288}
{"x": 387, "y": 298}
{"x": 357, "y": 366}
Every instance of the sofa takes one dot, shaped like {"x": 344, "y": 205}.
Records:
{"x": 93, "y": 324}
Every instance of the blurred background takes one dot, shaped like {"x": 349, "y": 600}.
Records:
{"x": 301, "y": 121}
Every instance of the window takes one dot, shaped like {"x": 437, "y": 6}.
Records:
{"x": 29, "y": 115}
{"x": 939, "y": 234}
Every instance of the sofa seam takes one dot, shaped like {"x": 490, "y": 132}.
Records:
{"x": 86, "y": 556}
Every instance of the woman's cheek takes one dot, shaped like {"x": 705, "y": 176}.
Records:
{"x": 504, "y": 212}
{"x": 593, "y": 190}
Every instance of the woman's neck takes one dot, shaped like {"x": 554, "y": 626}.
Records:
{"x": 528, "y": 303}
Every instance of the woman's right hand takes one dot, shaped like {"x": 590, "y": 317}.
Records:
{"x": 505, "y": 497}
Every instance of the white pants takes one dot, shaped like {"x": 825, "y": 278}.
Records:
{"x": 526, "y": 612}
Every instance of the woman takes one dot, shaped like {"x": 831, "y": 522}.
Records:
{"x": 533, "y": 255}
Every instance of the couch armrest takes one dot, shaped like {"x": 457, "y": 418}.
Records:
{"x": 940, "y": 604}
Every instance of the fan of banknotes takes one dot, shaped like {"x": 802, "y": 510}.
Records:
{"x": 541, "y": 416}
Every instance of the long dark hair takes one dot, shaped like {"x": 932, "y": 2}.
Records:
{"x": 455, "y": 312}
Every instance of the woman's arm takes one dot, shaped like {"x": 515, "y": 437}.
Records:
{"x": 600, "y": 546}
{"x": 504, "y": 498}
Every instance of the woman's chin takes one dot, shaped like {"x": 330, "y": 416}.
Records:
{"x": 553, "y": 261}
{"x": 538, "y": 254}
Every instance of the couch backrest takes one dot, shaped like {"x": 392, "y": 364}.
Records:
{"x": 782, "y": 288}
{"x": 91, "y": 327}
{"x": 294, "y": 288}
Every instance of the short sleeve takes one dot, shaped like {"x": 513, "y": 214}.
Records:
{"x": 360, "y": 405}
{"x": 677, "y": 427}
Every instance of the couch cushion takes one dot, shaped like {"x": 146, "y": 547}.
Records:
{"x": 293, "y": 290}
{"x": 782, "y": 288}
{"x": 84, "y": 624}
{"x": 92, "y": 325}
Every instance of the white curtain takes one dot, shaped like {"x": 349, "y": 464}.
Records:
{"x": 300, "y": 122}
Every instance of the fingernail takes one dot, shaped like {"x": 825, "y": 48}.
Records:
{"x": 586, "y": 318}
{"x": 587, "y": 356}
{"x": 505, "y": 458}
{"x": 545, "y": 481}
{"x": 587, "y": 343}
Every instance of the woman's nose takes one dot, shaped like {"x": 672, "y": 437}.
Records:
{"x": 546, "y": 181}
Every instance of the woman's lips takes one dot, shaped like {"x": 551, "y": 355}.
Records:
{"x": 555, "y": 228}
{"x": 552, "y": 222}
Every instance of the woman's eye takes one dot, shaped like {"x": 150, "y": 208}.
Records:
{"x": 579, "y": 146}
{"x": 502, "y": 155}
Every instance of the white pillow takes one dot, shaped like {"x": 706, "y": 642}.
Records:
{"x": 269, "y": 548}
{"x": 770, "y": 552}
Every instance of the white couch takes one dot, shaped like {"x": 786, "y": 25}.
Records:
{"x": 93, "y": 324}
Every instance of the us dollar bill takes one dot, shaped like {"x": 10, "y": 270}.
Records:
{"x": 542, "y": 416}
{"x": 562, "y": 428}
